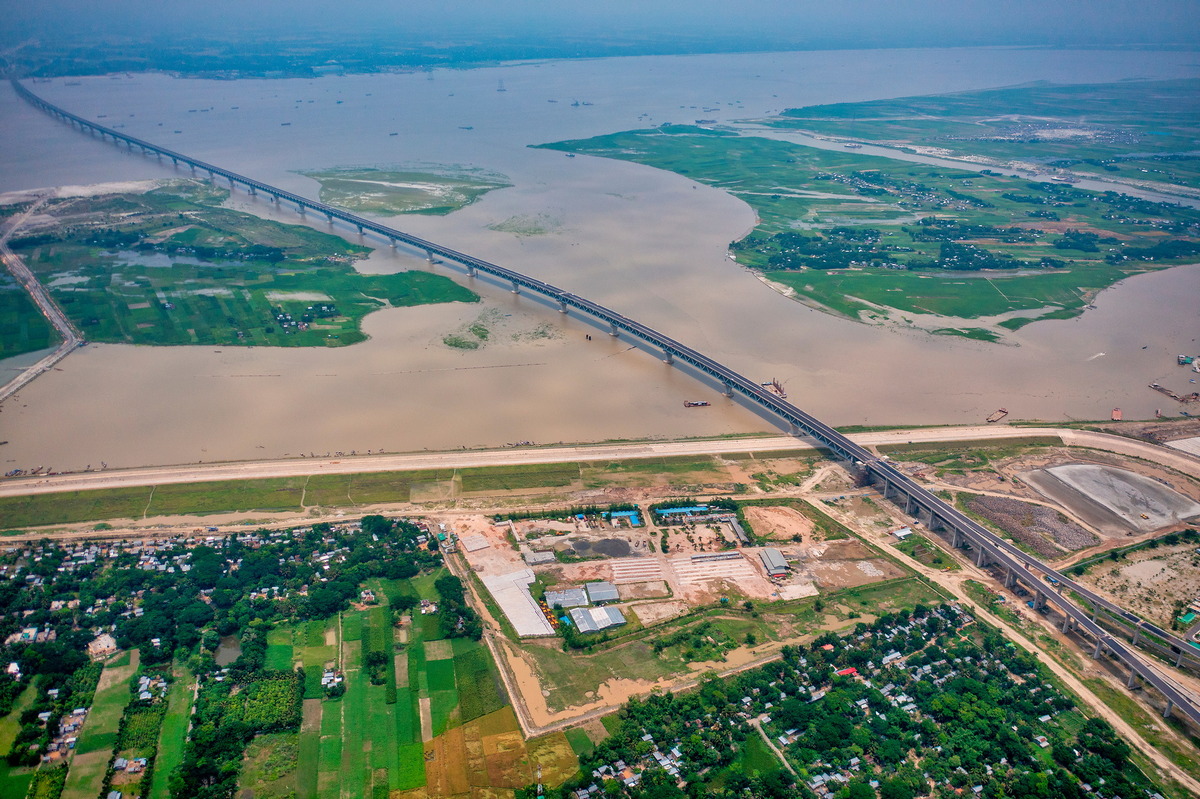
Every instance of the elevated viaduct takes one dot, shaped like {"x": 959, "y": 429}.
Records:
{"x": 936, "y": 514}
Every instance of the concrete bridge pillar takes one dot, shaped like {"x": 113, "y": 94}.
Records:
{"x": 728, "y": 392}
{"x": 1167, "y": 710}
{"x": 794, "y": 429}
{"x": 908, "y": 505}
{"x": 1068, "y": 625}
{"x": 562, "y": 306}
{"x": 1179, "y": 658}
{"x": 360, "y": 230}
{"x": 1133, "y": 675}
{"x": 300, "y": 208}
{"x": 231, "y": 183}
{"x": 935, "y": 522}
{"x": 1098, "y": 650}
{"x": 471, "y": 271}
{"x": 516, "y": 289}
{"x": 393, "y": 241}
{"x": 329, "y": 218}
{"x": 193, "y": 168}
{"x": 668, "y": 357}
{"x": 429, "y": 257}
{"x": 980, "y": 556}
{"x": 1010, "y": 579}
{"x": 612, "y": 329}
{"x": 1137, "y": 635}
{"x": 1039, "y": 600}
{"x": 252, "y": 192}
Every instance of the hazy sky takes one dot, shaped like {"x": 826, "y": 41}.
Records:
{"x": 806, "y": 23}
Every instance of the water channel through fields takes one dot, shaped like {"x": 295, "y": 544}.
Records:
{"x": 649, "y": 244}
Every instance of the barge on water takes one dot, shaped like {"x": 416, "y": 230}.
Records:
{"x": 998, "y": 415}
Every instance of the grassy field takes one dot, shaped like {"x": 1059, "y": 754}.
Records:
{"x": 573, "y": 678}
{"x": 173, "y": 733}
{"x": 862, "y": 213}
{"x": 390, "y": 192}
{"x": 171, "y": 267}
{"x": 960, "y": 456}
{"x": 269, "y": 766}
{"x": 99, "y": 734}
{"x": 1154, "y": 122}
{"x": 920, "y": 548}
{"x": 287, "y": 494}
{"x": 14, "y": 782}
{"x": 22, "y": 326}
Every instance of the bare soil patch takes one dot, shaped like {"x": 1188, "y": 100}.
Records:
{"x": 650, "y": 613}
{"x": 1150, "y": 581}
{"x": 780, "y": 523}
{"x": 647, "y": 590}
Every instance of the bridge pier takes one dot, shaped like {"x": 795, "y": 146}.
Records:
{"x": 429, "y": 258}
{"x": 980, "y": 556}
{"x": 1137, "y": 635}
{"x": 472, "y": 271}
{"x": 1179, "y": 658}
{"x": 516, "y": 289}
{"x": 728, "y": 392}
{"x": 1039, "y": 600}
{"x": 612, "y": 330}
{"x": 1010, "y": 579}
{"x": 1068, "y": 625}
{"x": 300, "y": 209}
{"x": 935, "y": 522}
{"x": 668, "y": 357}
{"x": 1133, "y": 675}
{"x": 794, "y": 429}
{"x": 562, "y": 305}
{"x": 908, "y": 504}
{"x": 1098, "y": 650}
{"x": 393, "y": 241}
{"x": 1167, "y": 710}
{"x": 329, "y": 218}
{"x": 360, "y": 230}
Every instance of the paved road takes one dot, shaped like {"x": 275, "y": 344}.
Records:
{"x": 54, "y": 315}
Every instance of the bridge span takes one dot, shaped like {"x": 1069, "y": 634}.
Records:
{"x": 936, "y": 514}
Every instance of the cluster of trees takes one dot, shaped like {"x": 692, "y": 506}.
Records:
{"x": 1172, "y": 249}
{"x": 74, "y": 690}
{"x": 838, "y": 248}
{"x": 933, "y": 228}
{"x": 456, "y": 619}
{"x": 227, "y": 716}
{"x": 977, "y": 710}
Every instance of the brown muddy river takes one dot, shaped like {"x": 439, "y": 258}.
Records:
{"x": 649, "y": 244}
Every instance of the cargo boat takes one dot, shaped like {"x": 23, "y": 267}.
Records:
{"x": 695, "y": 404}
{"x": 998, "y": 415}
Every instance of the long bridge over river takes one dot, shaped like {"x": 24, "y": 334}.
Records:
{"x": 1050, "y": 589}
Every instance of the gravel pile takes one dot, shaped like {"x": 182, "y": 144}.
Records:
{"x": 1031, "y": 524}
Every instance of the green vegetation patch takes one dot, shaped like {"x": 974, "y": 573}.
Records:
{"x": 269, "y": 767}
{"x": 1141, "y": 129}
{"x": 171, "y": 267}
{"x": 874, "y": 238}
{"x": 503, "y": 478}
{"x": 388, "y": 192}
{"x": 22, "y": 326}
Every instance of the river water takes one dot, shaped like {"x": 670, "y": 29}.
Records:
{"x": 650, "y": 244}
